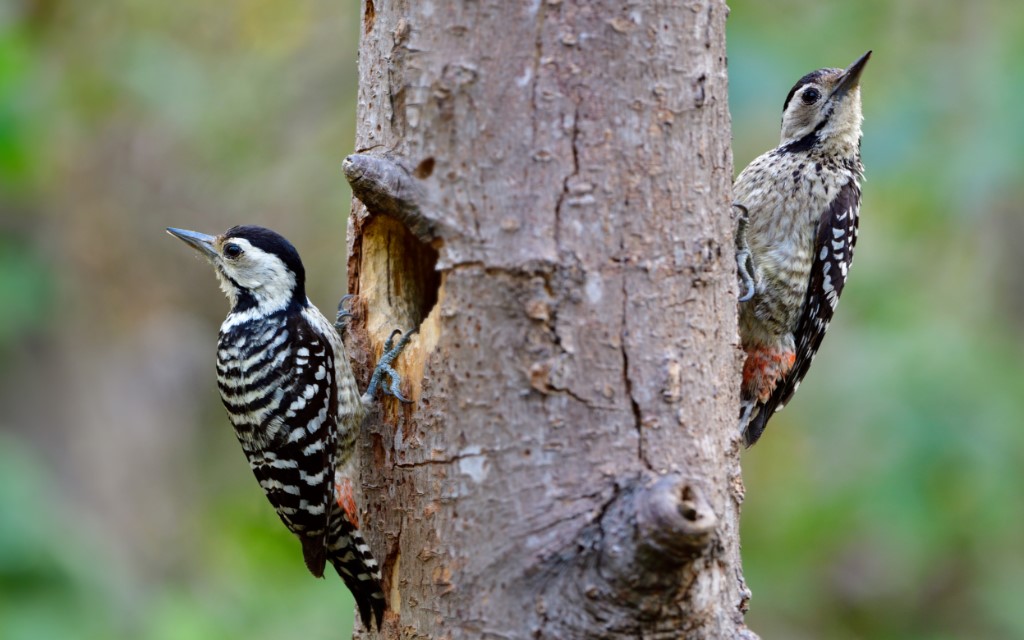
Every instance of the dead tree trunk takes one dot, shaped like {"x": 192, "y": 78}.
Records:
{"x": 545, "y": 193}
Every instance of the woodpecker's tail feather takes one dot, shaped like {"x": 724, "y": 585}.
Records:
{"x": 754, "y": 425}
{"x": 314, "y": 553}
{"x": 753, "y": 419}
{"x": 352, "y": 559}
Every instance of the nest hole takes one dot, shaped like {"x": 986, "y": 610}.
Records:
{"x": 399, "y": 277}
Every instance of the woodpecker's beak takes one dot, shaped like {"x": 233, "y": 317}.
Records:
{"x": 198, "y": 241}
{"x": 851, "y": 77}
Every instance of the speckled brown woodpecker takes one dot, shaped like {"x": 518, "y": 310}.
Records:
{"x": 288, "y": 388}
{"x": 799, "y": 204}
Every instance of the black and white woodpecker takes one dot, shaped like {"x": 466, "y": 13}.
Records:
{"x": 287, "y": 385}
{"x": 799, "y": 205}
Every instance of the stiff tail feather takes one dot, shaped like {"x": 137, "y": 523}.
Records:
{"x": 351, "y": 557}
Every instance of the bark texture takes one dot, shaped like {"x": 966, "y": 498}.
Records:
{"x": 543, "y": 191}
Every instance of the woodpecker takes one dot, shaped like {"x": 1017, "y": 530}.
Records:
{"x": 286, "y": 382}
{"x": 799, "y": 205}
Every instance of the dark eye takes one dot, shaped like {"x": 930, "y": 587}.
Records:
{"x": 232, "y": 250}
{"x": 810, "y": 96}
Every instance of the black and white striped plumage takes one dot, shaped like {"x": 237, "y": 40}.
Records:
{"x": 800, "y": 205}
{"x": 288, "y": 388}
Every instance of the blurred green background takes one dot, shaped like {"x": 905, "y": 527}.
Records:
{"x": 883, "y": 503}
{"x": 126, "y": 508}
{"x": 886, "y": 500}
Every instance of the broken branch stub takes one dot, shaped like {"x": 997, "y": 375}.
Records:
{"x": 386, "y": 186}
{"x": 625, "y": 569}
{"x": 654, "y": 530}
{"x": 674, "y": 519}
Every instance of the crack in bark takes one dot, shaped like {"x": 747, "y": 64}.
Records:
{"x": 627, "y": 381}
{"x": 572, "y": 394}
{"x": 440, "y": 461}
{"x": 603, "y": 510}
{"x": 551, "y": 325}
{"x": 392, "y": 98}
{"x": 538, "y": 49}
{"x": 387, "y": 262}
{"x": 389, "y": 572}
{"x": 574, "y": 139}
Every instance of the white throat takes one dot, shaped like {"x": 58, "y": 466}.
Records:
{"x": 261, "y": 275}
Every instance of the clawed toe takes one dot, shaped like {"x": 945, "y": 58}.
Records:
{"x": 384, "y": 368}
{"x": 344, "y": 313}
{"x": 744, "y": 259}
{"x": 745, "y": 268}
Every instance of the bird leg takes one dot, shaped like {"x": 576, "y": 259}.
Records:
{"x": 744, "y": 259}
{"x": 344, "y": 313}
{"x": 391, "y": 351}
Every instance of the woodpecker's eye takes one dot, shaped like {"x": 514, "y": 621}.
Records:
{"x": 810, "y": 96}
{"x": 232, "y": 250}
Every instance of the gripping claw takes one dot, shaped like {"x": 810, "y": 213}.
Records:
{"x": 344, "y": 313}
{"x": 391, "y": 351}
{"x": 744, "y": 259}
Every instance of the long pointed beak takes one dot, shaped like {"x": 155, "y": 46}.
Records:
{"x": 198, "y": 241}
{"x": 851, "y": 77}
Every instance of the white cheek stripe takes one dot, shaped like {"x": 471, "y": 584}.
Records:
{"x": 264, "y": 276}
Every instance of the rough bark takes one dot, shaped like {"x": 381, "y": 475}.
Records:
{"x": 543, "y": 191}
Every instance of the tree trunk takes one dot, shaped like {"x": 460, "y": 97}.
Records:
{"x": 545, "y": 192}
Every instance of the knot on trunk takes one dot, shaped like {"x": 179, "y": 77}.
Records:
{"x": 653, "y": 530}
{"x": 652, "y": 548}
{"x": 674, "y": 520}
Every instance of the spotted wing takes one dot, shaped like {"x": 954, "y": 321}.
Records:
{"x": 833, "y": 254}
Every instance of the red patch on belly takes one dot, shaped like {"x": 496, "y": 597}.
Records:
{"x": 346, "y": 500}
{"x": 763, "y": 369}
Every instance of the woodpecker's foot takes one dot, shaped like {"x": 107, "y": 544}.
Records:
{"x": 391, "y": 351}
{"x": 344, "y": 313}
{"x": 744, "y": 259}
{"x": 745, "y": 262}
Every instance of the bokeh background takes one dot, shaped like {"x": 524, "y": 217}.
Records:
{"x": 885, "y": 502}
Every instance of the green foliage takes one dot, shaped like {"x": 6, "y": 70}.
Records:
{"x": 25, "y": 291}
{"x": 47, "y": 585}
{"x": 18, "y": 123}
